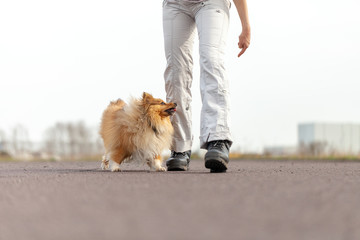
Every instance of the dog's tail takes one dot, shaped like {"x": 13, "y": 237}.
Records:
{"x": 109, "y": 118}
{"x": 116, "y": 105}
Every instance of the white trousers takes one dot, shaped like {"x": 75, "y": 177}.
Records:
{"x": 211, "y": 18}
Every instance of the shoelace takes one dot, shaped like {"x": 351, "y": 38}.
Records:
{"x": 174, "y": 154}
{"x": 218, "y": 144}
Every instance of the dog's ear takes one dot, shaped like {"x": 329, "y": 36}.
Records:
{"x": 146, "y": 97}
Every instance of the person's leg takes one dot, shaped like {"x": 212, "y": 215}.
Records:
{"x": 212, "y": 23}
{"x": 178, "y": 27}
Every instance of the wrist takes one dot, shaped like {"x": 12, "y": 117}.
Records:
{"x": 246, "y": 28}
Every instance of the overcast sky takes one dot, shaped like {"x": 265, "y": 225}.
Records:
{"x": 65, "y": 60}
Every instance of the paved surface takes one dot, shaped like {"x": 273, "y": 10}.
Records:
{"x": 254, "y": 200}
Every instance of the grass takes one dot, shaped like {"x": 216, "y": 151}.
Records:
{"x": 233, "y": 156}
{"x": 6, "y": 159}
{"x": 296, "y": 157}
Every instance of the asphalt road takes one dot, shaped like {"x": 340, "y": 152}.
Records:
{"x": 253, "y": 200}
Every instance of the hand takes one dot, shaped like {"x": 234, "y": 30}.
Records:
{"x": 244, "y": 41}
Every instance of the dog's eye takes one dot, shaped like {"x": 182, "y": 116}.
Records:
{"x": 162, "y": 103}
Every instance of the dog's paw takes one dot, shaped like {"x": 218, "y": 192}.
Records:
{"x": 115, "y": 168}
{"x": 105, "y": 166}
{"x": 105, "y": 163}
{"x": 161, "y": 169}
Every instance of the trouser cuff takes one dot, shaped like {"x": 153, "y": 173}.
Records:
{"x": 205, "y": 139}
{"x": 179, "y": 145}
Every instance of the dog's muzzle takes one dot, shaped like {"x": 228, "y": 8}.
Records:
{"x": 170, "y": 111}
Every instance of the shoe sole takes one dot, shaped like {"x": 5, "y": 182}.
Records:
{"x": 215, "y": 166}
{"x": 215, "y": 162}
{"x": 177, "y": 167}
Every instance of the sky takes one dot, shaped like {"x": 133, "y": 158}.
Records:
{"x": 63, "y": 61}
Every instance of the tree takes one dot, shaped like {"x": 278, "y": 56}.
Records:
{"x": 70, "y": 140}
{"x": 2, "y": 141}
{"x": 20, "y": 141}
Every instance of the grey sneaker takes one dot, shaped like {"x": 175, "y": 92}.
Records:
{"x": 178, "y": 161}
{"x": 217, "y": 156}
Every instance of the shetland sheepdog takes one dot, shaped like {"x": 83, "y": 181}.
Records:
{"x": 138, "y": 130}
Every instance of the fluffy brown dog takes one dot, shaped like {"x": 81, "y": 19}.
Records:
{"x": 140, "y": 130}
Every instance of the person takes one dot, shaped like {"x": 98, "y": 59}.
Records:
{"x": 211, "y": 19}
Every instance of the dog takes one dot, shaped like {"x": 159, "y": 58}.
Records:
{"x": 138, "y": 130}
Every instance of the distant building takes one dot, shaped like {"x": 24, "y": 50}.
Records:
{"x": 329, "y": 138}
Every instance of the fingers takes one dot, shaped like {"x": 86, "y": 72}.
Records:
{"x": 243, "y": 47}
{"x": 242, "y": 51}
{"x": 244, "y": 42}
